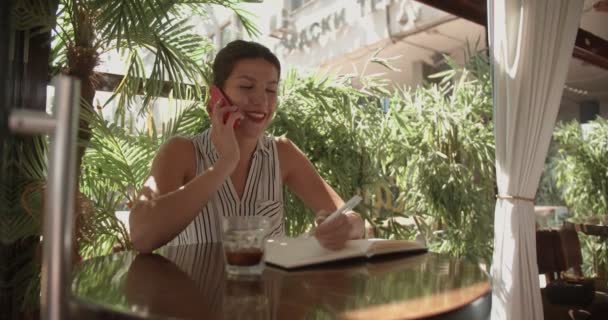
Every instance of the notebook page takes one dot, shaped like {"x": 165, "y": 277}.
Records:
{"x": 297, "y": 252}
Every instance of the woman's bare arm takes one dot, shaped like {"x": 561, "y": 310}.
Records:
{"x": 173, "y": 195}
{"x": 167, "y": 202}
{"x": 303, "y": 179}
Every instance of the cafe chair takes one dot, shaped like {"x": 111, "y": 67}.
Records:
{"x": 574, "y": 258}
{"x": 568, "y": 295}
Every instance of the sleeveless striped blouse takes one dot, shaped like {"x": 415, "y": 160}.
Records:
{"x": 263, "y": 193}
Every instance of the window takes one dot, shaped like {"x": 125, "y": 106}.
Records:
{"x": 295, "y": 4}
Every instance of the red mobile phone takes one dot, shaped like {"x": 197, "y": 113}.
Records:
{"x": 218, "y": 99}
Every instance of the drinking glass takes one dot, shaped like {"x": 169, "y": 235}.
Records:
{"x": 246, "y": 299}
{"x": 244, "y": 241}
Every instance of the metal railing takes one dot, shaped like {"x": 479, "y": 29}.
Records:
{"x": 62, "y": 128}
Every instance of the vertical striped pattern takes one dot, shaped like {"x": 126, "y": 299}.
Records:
{"x": 263, "y": 193}
{"x": 204, "y": 264}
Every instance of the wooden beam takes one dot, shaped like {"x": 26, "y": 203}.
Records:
{"x": 472, "y": 10}
{"x": 591, "y": 48}
{"x": 587, "y": 47}
{"x": 110, "y": 81}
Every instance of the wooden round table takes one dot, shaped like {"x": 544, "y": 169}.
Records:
{"x": 189, "y": 282}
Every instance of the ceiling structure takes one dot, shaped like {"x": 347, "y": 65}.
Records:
{"x": 590, "y": 45}
{"x": 405, "y": 54}
{"x": 588, "y": 70}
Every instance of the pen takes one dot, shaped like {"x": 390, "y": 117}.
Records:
{"x": 349, "y": 205}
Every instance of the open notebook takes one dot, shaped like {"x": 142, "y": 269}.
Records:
{"x": 299, "y": 252}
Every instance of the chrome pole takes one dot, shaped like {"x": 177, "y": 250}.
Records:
{"x": 31, "y": 122}
{"x": 60, "y": 192}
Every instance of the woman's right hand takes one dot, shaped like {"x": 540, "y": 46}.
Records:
{"x": 223, "y": 136}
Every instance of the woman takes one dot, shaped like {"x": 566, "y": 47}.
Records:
{"x": 234, "y": 170}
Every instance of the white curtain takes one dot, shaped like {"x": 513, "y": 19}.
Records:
{"x": 531, "y": 43}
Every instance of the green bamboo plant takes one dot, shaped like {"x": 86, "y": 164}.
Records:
{"x": 582, "y": 167}
{"x": 427, "y": 159}
{"x": 447, "y": 174}
{"x": 581, "y": 173}
{"x": 339, "y": 127}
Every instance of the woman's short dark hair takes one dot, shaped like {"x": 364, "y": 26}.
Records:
{"x": 238, "y": 50}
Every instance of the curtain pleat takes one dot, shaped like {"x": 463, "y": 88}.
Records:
{"x": 531, "y": 45}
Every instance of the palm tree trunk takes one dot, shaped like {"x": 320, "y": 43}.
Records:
{"x": 81, "y": 63}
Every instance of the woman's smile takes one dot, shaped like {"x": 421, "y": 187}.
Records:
{"x": 254, "y": 116}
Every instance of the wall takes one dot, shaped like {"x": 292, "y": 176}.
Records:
{"x": 341, "y": 36}
{"x": 324, "y": 30}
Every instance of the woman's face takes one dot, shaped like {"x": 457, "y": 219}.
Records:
{"x": 252, "y": 87}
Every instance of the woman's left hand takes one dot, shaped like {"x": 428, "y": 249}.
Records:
{"x": 334, "y": 234}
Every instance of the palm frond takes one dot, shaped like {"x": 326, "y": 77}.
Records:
{"x": 188, "y": 119}
{"x": 245, "y": 17}
{"x": 201, "y": 7}
{"x": 23, "y": 166}
{"x": 178, "y": 59}
{"x": 178, "y": 62}
{"x": 115, "y": 167}
{"x": 118, "y": 20}
{"x": 16, "y": 223}
{"x": 131, "y": 84}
